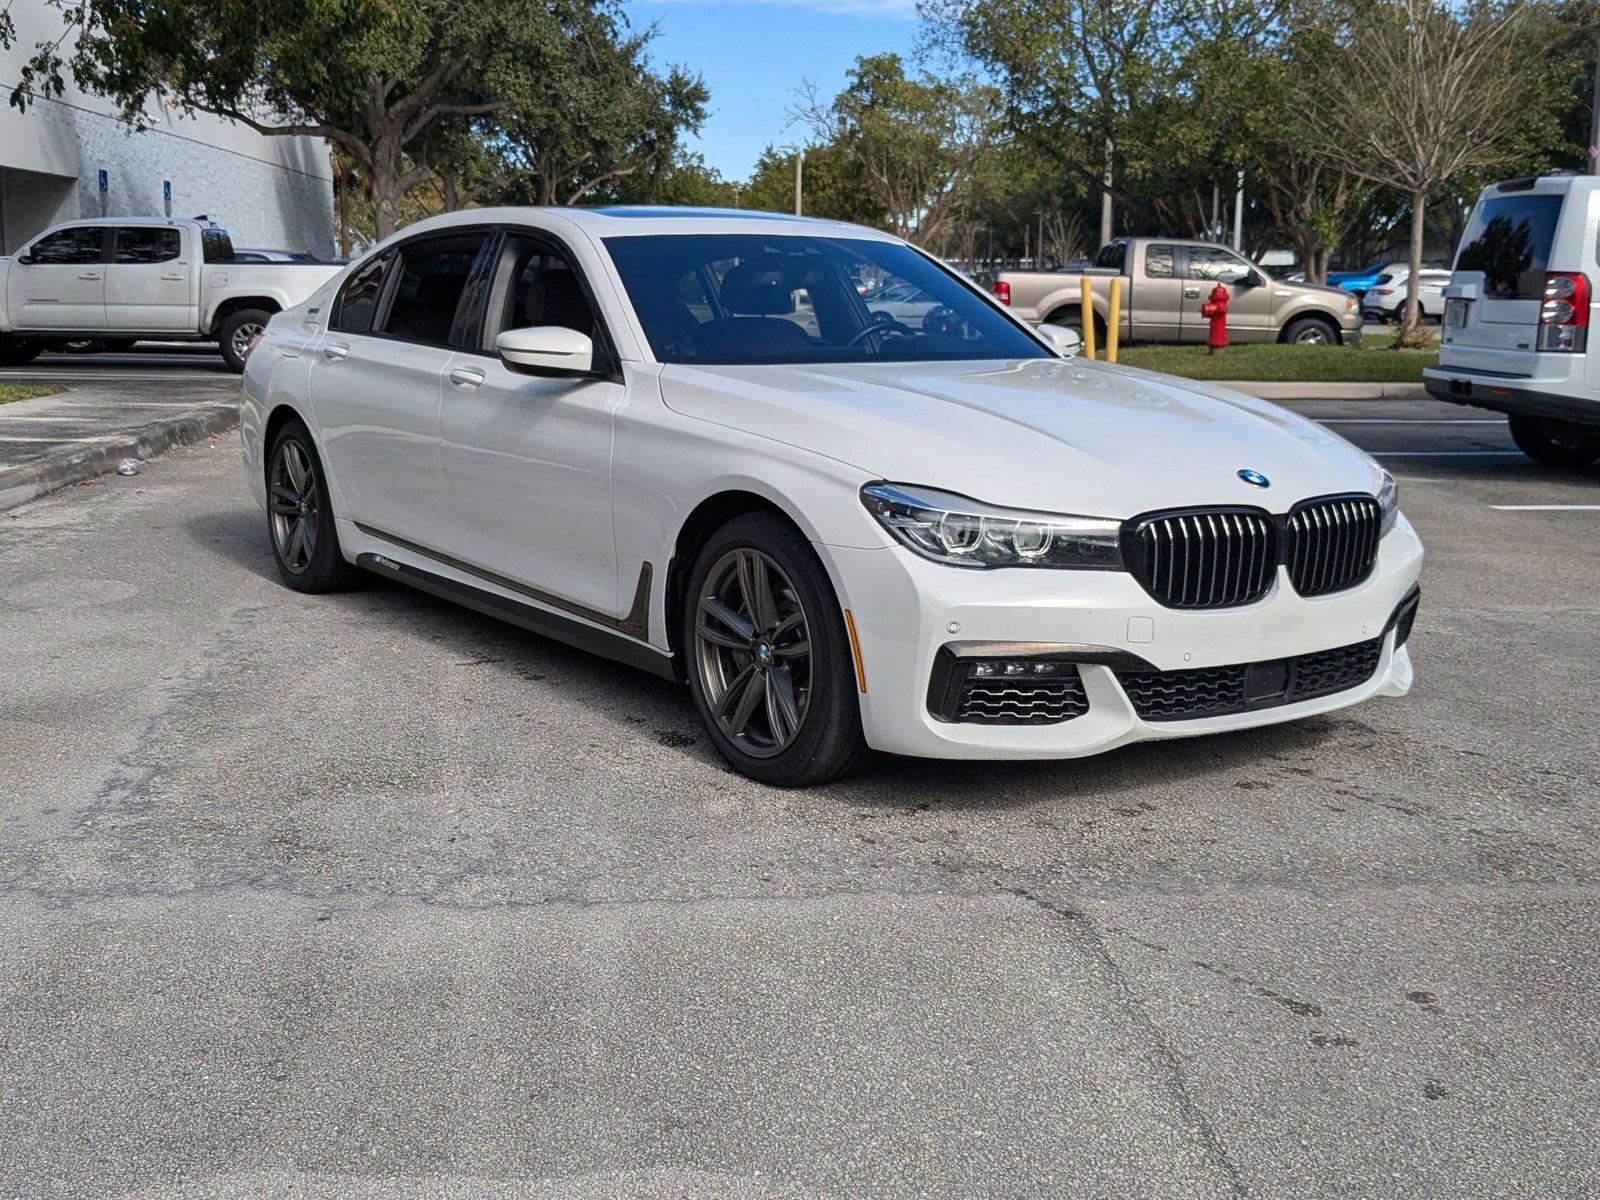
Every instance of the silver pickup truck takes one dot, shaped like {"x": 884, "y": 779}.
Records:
{"x": 1164, "y": 283}
{"x": 126, "y": 279}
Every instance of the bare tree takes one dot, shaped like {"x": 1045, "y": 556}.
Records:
{"x": 1423, "y": 90}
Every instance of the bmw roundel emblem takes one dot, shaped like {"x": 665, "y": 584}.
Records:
{"x": 1255, "y": 478}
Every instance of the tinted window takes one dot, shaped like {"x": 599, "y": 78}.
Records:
{"x": 433, "y": 276}
{"x": 1509, "y": 239}
{"x": 742, "y": 298}
{"x": 82, "y": 244}
{"x": 215, "y": 244}
{"x": 359, "y": 300}
{"x": 1160, "y": 262}
{"x": 1111, "y": 256}
{"x": 150, "y": 244}
{"x": 1214, "y": 264}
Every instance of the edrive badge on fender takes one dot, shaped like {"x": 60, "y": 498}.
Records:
{"x": 1255, "y": 478}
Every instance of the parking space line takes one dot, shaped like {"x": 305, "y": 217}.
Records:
{"x": 1545, "y": 507}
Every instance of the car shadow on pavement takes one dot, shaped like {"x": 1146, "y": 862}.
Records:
{"x": 663, "y": 711}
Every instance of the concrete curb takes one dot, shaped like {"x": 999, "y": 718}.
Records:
{"x": 63, "y": 468}
{"x": 1263, "y": 390}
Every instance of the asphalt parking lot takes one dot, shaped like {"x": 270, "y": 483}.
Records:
{"x": 368, "y": 895}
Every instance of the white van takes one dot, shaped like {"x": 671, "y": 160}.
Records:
{"x": 1517, "y": 315}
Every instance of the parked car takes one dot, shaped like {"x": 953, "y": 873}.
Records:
{"x": 246, "y": 255}
{"x": 124, "y": 278}
{"x": 1518, "y": 311}
{"x": 1165, "y": 281}
{"x": 1359, "y": 283}
{"x": 607, "y": 426}
{"x": 1386, "y": 300}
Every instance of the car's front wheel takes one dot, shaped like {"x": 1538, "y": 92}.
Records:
{"x": 305, "y": 543}
{"x": 1311, "y": 331}
{"x": 769, "y": 661}
{"x": 1555, "y": 443}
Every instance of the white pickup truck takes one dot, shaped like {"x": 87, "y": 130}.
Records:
{"x": 125, "y": 279}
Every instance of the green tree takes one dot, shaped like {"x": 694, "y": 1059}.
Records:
{"x": 918, "y": 141}
{"x": 834, "y": 185}
{"x": 374, "y": 78}
{"x": 1466, "y": 93}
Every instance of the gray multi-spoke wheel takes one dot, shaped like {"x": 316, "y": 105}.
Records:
{"x": 753, "y": 652}
{"x": 305, "y": 541}
{"x": 294, "y": 504}
{"x": 768, "y": 659}
{"x": 1310, "y": 331}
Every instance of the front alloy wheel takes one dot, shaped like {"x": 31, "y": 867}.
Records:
{"x": 767, "y": 655}
{"x": 753, "y": 652}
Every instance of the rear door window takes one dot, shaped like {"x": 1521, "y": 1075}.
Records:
{"x": 147, "y": 244}
{"x": 1161, "y": 262}
{"x": 429, "y": 291}
{"x": 1509, "y": 240}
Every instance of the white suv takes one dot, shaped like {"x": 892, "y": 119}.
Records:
{"x": 1518, "y": 310}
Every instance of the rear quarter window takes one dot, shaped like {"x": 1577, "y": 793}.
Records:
{"x": 1509, "y": 240}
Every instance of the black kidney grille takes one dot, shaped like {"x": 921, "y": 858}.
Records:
{"x": 1204, "y": 559}
{"x": 1332, "y": 543}
{"x": 1014, "y": 701}
{"x": 1246, "y": 687}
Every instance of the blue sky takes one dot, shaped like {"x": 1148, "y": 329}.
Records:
{"x": 753, "y": 54}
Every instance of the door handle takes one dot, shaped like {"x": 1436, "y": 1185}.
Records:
{"x": 89, "y": 275}
{"x": 335, "y": 351}
{"x": 466, "y": 377}
{"x": 173, "y": 278}
{"x": 1191, "y": 293}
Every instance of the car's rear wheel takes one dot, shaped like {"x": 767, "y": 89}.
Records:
{"x": 305, "y": 542}
{"x": 769, "y": 661}
{"x": 15, "y": 352}
{"x": 1310, "y": 331}
{"x": 238, "y": 335}
{"x": 1555, "y": 443}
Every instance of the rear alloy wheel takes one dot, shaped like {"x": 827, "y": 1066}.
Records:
{"x": 305, "y": 543}
{"x": 1555, "y": 443}
{"x": 238, "y": 335}
{"x": 1310, "y": 331}
{"x": 768, "y": 658}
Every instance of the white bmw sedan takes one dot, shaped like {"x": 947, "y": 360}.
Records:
{"x": 685, "y": 440}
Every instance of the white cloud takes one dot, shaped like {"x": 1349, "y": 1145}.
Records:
{"x": 894, "y": 10}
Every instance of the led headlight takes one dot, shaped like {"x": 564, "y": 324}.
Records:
{"x": 1388, "y": 503}
{"x": 968, "y": 533}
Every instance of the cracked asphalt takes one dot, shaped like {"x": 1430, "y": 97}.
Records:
{"x": 366, "y": 895}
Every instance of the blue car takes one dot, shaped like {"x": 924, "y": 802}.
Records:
{"x": 1359, "y": 283}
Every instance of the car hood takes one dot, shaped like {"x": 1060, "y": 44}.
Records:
{"x": 1058, "y": 435}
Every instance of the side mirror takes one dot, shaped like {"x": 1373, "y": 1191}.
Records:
{"x": 26, "y": 260}
{"x": 1068, "y": 343}
{"x": 546, "y": 350}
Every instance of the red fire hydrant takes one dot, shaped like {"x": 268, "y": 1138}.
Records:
{"x": 1216, "y": 308}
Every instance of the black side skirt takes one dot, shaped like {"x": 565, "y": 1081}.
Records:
{"x": 618, "y": 647}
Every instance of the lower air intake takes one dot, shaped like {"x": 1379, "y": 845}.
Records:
{"x": 1246, "y": 687}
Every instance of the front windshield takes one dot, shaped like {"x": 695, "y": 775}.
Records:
{"x": 741, "y": 299}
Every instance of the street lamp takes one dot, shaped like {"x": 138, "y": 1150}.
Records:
{"x": 799, "y": 153}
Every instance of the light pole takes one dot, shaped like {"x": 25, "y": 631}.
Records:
{"x": 799, "y": 153}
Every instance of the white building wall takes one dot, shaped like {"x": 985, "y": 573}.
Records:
{"x": 269, "y": 191}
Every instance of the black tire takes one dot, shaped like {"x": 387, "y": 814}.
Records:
{"x": 83, "y": 346}
{"x": 1310, "y": 331}
{"x": 801, "y": 715}
{"x": 14, "y": 352}
{"x": 117, "y": 345}
{"x": 321, "y": 566}
{"x": 237, "y": 330}
{"x": 1555, "y": 443}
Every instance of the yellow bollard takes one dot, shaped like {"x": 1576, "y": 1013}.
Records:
{"x": 1088, "y": 319}
{"x": 1113, "y": 318}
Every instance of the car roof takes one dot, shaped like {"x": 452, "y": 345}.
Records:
{"x": 636, "y": 220}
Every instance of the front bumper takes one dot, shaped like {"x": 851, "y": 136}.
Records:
{"x": 906, "y": 610}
